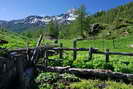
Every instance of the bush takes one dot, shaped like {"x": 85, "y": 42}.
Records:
{"x": 49, "y": 80}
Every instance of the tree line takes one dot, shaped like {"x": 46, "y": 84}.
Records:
{"x": 81, "y": 27}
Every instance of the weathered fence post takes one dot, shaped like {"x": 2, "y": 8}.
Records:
{"x": 61, "y": 51}
{"x": 34, "y": 56}
{"x": 46, "y": 57}
{"x": 103, "y": 43}
{"x": 90, "y": 53}
{"x": 107, "y": 55}
{"x": 114, "y": 43}
{"x": 20, "y": 70}
{"x": 75, "y": 51}
{"x": 4, "y": 67}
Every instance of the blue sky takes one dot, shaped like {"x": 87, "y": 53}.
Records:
{"x": 17, "y": 9}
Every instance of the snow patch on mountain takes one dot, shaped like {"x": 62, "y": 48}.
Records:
{"x": 38, "y": 21}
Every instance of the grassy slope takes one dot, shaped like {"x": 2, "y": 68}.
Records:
{"x": 117, "y": 21}
{"x": 120, "y": 44}
{"x": 95, "y": 84}
{"x": 15, "y": 40}
{"x": 121, "y": 12}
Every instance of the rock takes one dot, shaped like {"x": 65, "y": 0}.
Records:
{"x": 3, "y": 42}
{"x": 131, "y": 46}
{"x": 95, "y": 28}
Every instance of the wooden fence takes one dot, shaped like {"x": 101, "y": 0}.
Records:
{"x": 46, "y": 52}
{"x": 25, "y": 57}
{"x": 61, "y": 50}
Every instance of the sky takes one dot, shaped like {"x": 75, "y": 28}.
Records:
{"x": 18, "y": 9}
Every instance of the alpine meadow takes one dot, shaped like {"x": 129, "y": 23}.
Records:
{"x": 75, "y": 49}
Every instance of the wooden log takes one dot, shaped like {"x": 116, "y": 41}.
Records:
{"x": 52, "y": 69}
{"x": 92, "y": 73}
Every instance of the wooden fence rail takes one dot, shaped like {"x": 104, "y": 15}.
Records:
{"x": 61, "y": 51}
{"x": 95, "y": 50}
{"x": 91, "y": 51}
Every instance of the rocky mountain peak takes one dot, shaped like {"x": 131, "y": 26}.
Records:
{"x": 37, "y": 21}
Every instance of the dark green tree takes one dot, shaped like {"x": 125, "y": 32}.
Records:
{"x": 82, "y": 20}
{"x": 53, "y": 29}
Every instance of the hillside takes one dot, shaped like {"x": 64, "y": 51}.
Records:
{"x": 14, "y": 40}
{"x": 115, "y": 14}
{"x": 115, "y": 23}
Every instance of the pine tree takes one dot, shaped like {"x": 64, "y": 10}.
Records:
{"x": 82, "y": 20}
{"x": 53, "y": 29}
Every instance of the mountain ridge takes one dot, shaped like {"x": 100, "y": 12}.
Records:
{"x": 37, "y": 21}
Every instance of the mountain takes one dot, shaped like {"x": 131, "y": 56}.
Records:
{"x": 32, "y": 22}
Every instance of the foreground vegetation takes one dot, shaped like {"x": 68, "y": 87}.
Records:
{"x": 49, "y": 80}
{"x": 15, "y": 40}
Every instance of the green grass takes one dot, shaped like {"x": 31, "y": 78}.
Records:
{"x": 116, "y": 63}
{"x": 49, "y": 80}
{"x": 120, "y": 44}
{"x": 15, "y": 40}
{"x": 96, "y": 84}
{"x": 19, "y": 41}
